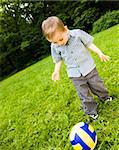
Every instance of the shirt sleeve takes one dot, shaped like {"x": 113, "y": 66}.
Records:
{"x": 56, "y": 56}
{"x": 86, "y": 38}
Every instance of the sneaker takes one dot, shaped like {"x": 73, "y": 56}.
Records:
{"x": 94, "y": 116}
{"x": 109, "y": 99}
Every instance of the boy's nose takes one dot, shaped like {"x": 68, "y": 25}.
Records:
{"x": 60, "y": 43}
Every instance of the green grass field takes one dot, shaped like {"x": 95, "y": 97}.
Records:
{"x": 38, "y": 114}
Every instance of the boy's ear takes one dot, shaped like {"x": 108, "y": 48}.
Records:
{"x": 49, "y": 40}
{"x": 66, "y": 28}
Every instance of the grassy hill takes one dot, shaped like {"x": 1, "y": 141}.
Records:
{"x": 38, "y": 114}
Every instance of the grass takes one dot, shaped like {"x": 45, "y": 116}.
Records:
{"x": 38, "y": 114}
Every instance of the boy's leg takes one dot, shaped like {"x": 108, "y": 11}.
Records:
{"x": 96, "y": 85}
{"x": 83, "y": 91}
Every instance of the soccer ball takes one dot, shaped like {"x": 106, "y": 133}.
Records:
{"x": 83, "y": 137}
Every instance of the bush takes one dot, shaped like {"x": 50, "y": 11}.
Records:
{"x": 108, "y": 20}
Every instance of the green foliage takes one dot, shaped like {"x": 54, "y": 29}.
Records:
{"x": 85, "y": 20}
{"x": 108, "y": 20}
{"x": 21, "y": 39}
{"x": 85, "y": 13}
{"x": 25, "y": 44}
{"x": 38, "y": 114}
{"x": 21, "y": 36}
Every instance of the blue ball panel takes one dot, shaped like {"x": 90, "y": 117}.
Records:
{"x": 92, "y": 135}
{"x": 79, "y": 140}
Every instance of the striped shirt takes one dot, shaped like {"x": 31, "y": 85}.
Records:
{"x": 75, "y": 53}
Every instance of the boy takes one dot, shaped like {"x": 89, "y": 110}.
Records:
{"x": 72, "y": 47}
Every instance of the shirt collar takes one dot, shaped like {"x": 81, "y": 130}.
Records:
{"x": 70, "y": 33}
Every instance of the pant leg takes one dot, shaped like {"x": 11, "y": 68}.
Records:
{"x": 87, "y": 102}
{"x": 96, "y": 85}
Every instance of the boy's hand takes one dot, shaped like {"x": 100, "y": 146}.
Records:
{"x": 95, "y": 49}
{"x": 55, "y": 76}
{"x": 103, "y": 57}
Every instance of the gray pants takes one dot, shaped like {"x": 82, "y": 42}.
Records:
{"x": 84, "y": 85}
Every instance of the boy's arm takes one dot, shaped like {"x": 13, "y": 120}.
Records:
{"x": 57, "y": 59}
{"x": 58, "y": 66}
{"x": 56, "y": 73}
{"x": 95, "y": 49}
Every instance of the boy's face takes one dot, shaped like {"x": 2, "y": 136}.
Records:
{"x": 60, "y": 38}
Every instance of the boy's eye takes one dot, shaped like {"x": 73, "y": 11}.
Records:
{"x": 61, "y": 39}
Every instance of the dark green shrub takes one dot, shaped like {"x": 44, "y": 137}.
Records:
{"x": 108, "y": 20}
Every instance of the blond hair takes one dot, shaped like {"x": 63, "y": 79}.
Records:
{"x": 50, "y": 25}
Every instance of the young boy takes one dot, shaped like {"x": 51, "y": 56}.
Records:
{"x": 72, "y": 47}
